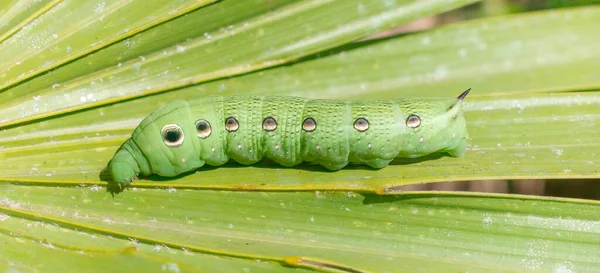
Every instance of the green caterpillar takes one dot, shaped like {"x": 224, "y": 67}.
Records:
{"x": 184, "y": 135}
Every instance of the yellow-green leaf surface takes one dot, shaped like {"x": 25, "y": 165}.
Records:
{"x": 84, "y": 26}
{"x": 16, "y": 14}
{"x": 255, "y": 43}
{"x": 406, "y": 233}
{"x": 69, "y": 101}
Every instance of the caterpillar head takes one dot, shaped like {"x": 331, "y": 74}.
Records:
{"x": 434, "y": 125}
{"x": 164, "y": 143}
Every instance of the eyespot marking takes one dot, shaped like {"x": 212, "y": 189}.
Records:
{"x": 269, "y": 124}
{"x": 361, "y": 124}
{"x": 309, "y": 125}
{"x": 239, "y": 146}
{"x": 172, "y": 135}
{"x": 318, "y": 148}
{"x": 231, "y": 124}
{"x": 413, "y": 121}
{"x": 213, "y": 149}
{"x": 203, "y": 129}
{"x": 276, "y": 147}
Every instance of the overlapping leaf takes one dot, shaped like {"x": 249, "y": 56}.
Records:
{"x": 407, "y": 233}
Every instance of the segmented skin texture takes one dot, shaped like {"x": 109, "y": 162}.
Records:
{"x": 289, "y": 130}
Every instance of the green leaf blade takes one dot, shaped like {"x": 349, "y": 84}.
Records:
{"x": 370, "y": 233}
{"x": 59, "y": 130}
{"x": 203, "y": 57}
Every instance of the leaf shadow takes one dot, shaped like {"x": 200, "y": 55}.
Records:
{"x": 270, "y": 164}
{"x": 371, "y": 198}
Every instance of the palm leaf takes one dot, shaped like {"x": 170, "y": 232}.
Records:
{"x": 74, "y": 89}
